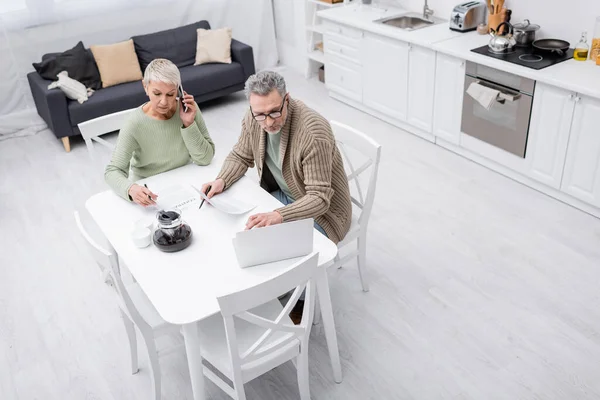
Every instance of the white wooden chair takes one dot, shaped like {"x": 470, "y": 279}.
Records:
{"x": 94, "y": 128}
{"x": 136, "y": 309}
{"x": 348, "y": 137}
{"x": 262, "y": 336}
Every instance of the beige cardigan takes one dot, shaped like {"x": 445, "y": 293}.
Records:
{"x": 312, "y": 168}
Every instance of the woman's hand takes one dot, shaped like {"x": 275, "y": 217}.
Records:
{"x": 142, "y": 195}
{"x": 187, "y": 117}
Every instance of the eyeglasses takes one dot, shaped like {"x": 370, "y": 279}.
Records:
{"x": 273, "y": 114}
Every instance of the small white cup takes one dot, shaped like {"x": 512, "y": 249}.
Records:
{"x": 146, "y": 222}
{"x": 141, "y": 237}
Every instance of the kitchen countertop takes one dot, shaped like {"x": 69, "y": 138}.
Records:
{"x": 362, "y": 17}
{"x": 578, "y": 76}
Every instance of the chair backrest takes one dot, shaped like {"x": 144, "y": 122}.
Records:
{"x": 348, "y": 137}
{"x": 301, "y": 276}
{"x": 108, "y": 261}
{"x": 94, "y": 128}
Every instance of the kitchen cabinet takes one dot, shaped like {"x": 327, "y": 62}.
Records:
{"x": 581, "y": 177}
{"x": 448, "y": 96}
{"x": 551, "y": 117}
{"x": 343, "y": 73}
{"x": 343, "y": 78}
{"x": 421, "y": 86}
{"x": 385, "y": 75}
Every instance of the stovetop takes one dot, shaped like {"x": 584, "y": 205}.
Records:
{"x": 527, "y": 56}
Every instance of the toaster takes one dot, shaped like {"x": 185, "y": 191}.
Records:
{"x": 466, "y": 16}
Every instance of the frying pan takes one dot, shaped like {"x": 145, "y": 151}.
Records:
{"x": 552, "y": 45}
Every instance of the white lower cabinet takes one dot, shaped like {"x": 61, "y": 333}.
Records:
{"x": 385, "y": 75}
{"x": 344, "y": 78}
{"x": 421, "y": 86}
{"x": 581, "y": 177}
{"x": 448, "y": 97}
{"x": 551, "y": 118}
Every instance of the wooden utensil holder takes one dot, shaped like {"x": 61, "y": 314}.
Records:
{"x": 496, "y": 19}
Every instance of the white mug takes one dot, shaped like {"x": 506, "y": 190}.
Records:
{"x": 141, "y": 237}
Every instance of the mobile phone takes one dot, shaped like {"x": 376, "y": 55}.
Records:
{"x": 180, "y": 90}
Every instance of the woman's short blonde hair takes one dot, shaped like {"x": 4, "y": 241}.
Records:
{"x": 162, "y": 70}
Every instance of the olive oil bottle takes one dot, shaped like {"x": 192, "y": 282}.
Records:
{"x": 582, "y": 48}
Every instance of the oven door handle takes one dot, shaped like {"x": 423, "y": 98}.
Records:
{"x": 503, "y": 96}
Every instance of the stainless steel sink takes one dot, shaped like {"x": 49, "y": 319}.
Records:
{"x": 409, "y": 22}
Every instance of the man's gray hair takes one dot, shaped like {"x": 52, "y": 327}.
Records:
{"x": 162, "y": 70}
{"x": 264, "y": 83}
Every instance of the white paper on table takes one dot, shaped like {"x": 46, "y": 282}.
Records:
{"x": 177, "y": 196}
{"x": 226, "y": 203}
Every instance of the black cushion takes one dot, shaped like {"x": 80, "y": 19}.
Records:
{"x": 206, "y": 78}
{"x": 177, "y": 45}
{"x": 78, "y": 62}
{"x": 107, "y": 101}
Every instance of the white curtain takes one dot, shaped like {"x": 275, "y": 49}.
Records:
{"x": 31, "y": 28}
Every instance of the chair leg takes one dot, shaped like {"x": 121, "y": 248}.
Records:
{"x": 317, "y": 317}
{"x": 302, "y": 367}
{"x": 336, "y": 260}
{"x": 362, "y": 262}
{"x": 130, "y": 329}
{"x": 154, "y": 365}
{"x": 66, "y": 143}
{"x": 240, "y": 393}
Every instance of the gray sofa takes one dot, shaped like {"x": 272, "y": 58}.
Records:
{"x": 204, "y": 82}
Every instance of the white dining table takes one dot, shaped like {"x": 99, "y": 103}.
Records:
{"x": 183, "y": 286}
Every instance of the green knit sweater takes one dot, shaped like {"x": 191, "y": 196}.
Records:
{"x": 149, "y": 146}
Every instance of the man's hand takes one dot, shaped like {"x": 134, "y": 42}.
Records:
{"x": 142, "y": 195}
{"x": 264, "y": 219}
{"x": 216, "y": 187}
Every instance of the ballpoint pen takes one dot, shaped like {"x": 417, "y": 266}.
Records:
{"x": 149, "y": 197}
{"x": 202, "y": 202}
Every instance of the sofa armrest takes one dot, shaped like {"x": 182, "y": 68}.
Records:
{"x": 242, "y": 53}
{"x": 51, "y": 105}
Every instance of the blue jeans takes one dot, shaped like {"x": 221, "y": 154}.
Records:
{"x": 282, "y": 197}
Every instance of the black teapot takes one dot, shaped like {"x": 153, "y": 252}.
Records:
{"x": 172, "y": 233}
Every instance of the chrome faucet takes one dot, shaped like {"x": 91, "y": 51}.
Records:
{"x": 427, "y": 12}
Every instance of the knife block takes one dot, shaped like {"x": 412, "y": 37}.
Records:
{"x": 496, "y": 19}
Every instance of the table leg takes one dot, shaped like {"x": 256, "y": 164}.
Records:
{"x": 328, "y": 323}
{"x": 194, "y": 356}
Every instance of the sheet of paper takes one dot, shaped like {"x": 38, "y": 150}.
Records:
{"x": 179, "y": 196}
{"x": 226, "y": 203}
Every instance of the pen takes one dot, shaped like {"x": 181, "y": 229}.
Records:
{"x": 146, "y": 186}
{"x": 202, "y": 202}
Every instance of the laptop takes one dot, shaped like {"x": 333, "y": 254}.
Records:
{"x": 274, "y": 243}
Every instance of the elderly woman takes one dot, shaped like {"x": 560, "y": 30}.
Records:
{"x": 159, "y": 135}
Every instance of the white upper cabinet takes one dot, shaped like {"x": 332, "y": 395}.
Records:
{"x": 448, "y": 96}
{"x": 551, "y": 118}
{"x": 581, "y": 177}
{"x": 421, "y": 84}
{"x": 385, "y": 75}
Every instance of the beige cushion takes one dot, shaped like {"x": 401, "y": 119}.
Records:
{"x": 214, "y": 46}
{"x": 117, "y": 63}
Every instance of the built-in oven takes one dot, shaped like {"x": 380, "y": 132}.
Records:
{"x": 506, "y": 123}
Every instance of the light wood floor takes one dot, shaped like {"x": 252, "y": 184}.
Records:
{"x": 481, "y": 288}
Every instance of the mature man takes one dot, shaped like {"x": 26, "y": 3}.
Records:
{"x": 296, "y": 156}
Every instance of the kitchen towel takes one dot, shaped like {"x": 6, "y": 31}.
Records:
{"x": 483, "y": 95}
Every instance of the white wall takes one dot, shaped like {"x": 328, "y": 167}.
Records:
{"x": 290, "y": 28}
{"x": 562, "y": 20}
{"x": 21, "y": 45}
